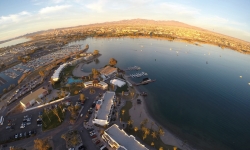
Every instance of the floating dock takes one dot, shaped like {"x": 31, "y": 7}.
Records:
{"x": 144, "y": 82}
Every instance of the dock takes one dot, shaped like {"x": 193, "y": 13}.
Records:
{"x": 144, "y": 82}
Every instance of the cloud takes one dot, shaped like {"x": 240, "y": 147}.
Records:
{"x": 53, "y": 9}
{"x": 179, "y": 9}
{"x": 97, "y": 6}
{"x": 13, "y": 17}
{"x": 57, "y": 1}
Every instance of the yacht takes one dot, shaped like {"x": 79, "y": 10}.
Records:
{"x": 240, "y": 76}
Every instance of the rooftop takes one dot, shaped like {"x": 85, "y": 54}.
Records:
{"x": 108, "y": 70}
{"x": 32, "y": 96}
{"x": 107, "y": 101}
{"x": 123, "y": 139}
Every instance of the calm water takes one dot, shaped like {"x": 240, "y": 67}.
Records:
{"x": 14, "y": 42}
{"x": 198, "y": 88}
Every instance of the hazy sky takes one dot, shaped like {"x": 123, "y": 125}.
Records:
{"x": 18, "y": 17}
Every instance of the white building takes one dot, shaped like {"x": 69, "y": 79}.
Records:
{"x": 117, "y": 82}
{"x": 104, "y": 109}
{"x": 120, "y": 140}
{"x": 100, "y": 84}
{"x": 56, "y": 76}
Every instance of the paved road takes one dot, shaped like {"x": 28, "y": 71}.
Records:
{"x": 59, "y": 143}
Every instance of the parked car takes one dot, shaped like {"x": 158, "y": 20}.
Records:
{"x": 16, "y": 136}
{"x": 97, "y": 142}
{"x": 93, "y": 136}
{"x": 20, "y": 135}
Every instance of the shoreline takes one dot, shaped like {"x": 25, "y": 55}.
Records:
{"x": 139, "y": 112}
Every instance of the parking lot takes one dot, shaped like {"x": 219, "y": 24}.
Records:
{"x": 20, "y": 126}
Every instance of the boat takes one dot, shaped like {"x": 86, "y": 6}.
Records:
{"x": 240, "y": 76}
{"x": 249, "y": 83}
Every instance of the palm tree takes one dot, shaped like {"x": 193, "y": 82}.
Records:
{"x": 136, "y": 129}
{"x": 46, "y": 112}
{"x": 175, "y": 148}
{"x": 41, "y": 73}
{"x": 147, "y": 132}
{"x": 160, "y": 132}
{"x": 55, "y": 111}
{"x": 130, "y": 122}
{"x": 161, "y": 148}
{"x": 154, "y": 135}
{"x": 74, "y": 140}
{"x": 41, "y": 144}
{"x": 123, "y": 111}
{"x": 82, "y": 97}
{"x": 152, "y": 144}
{"x": 145, "y": 121}
{"x": 68, "y": 86}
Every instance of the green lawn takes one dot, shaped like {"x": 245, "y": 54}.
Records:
{"x": 67, "y": 71}
{"x": 149, "y": 139}
{"x": 54, "y": 120}
{"x": 126, "y": 117}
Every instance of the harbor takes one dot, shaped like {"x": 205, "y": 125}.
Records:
{"x": 132, "y": 68}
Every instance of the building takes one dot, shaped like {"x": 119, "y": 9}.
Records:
{"x": 34, "y": 97}
{"x": 107, "y": 71}
{"x": 118, "y": 82}
{"x": 100, "y": 84}
{"x": 104, "y": 109}
{"x": 120, "y": 140}
{"x": 56, "y": 76}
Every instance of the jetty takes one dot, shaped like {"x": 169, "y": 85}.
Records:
{"x": 132, "y": 68}
{"x": 138, "y": 75}
{"x": 144, "y": 82}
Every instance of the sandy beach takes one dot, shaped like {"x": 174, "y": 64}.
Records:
{"x": 139, "y": 112}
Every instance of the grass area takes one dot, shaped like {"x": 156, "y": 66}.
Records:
{"x": 47, "y": 124}
{"x": 74, "y": 88}
{"x": 123, "y": 88}
{"x": 67, "y": 71}
{"x": 125, "y": 116}
{"x": 149, "y": 139}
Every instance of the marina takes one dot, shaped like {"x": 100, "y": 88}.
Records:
{"x": 138, "y": 75}
{"x": 133, "y": 68}
{"x": 144, "y": 82}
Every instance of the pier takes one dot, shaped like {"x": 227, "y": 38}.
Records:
{"x": 132, "y": 68}
{"x": 144, "y": 82}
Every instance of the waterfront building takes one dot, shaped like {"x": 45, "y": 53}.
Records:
{"x": 120, "y": 140}
{"x": 56, "y": 76}
{"x": 108, "y": 71}
{"x": 104, "y": 109}
{"x": 118, "y": 82}
{"x": 34, "y": 97}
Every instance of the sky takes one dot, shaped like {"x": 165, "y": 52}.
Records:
{"x": 18, "y": 17}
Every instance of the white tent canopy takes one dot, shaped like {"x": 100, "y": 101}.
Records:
{"x": 117, "y": 82}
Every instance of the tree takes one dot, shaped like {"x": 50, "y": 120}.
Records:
{"x": 41, "y": 144}
{"x": 46, "y": 112}
{"x": 72, "y": 111}
{"x": 96, "y": 52}
{"x": 74, "y": 140}
{"x": 123, "y": 111}
{"x": 52, "y": 81}
{"x": 95, "y": 73}
{"x": 154, "y": 135}
{"x": 4, "y": 90}
{"x": 136, "y": 129}
{"x": 68, "y": 86}
{"x": 112, "y": 62}
{"x": 152, "y": 143}
{"x": 82, "y": 97}
{"x": 160, "y": 131}
{"x": 55, "y": 111}
{"x": 175, "y": 148}
{"x": 41, "y": 73}
{"x": 161, "y": 148}
{"x": 130, "y": 122}
{"x": 146, "y": 132}
{"x": 19, "y": 57}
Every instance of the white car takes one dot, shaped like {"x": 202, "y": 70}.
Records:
{"x": 22, "y": 126}
{"x": 28, "y": 123}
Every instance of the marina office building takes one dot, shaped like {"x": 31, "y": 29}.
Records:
{"x": 34, "y": 97}
{"x": 104, "y": 108}
{"x": 120, "y": 140}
